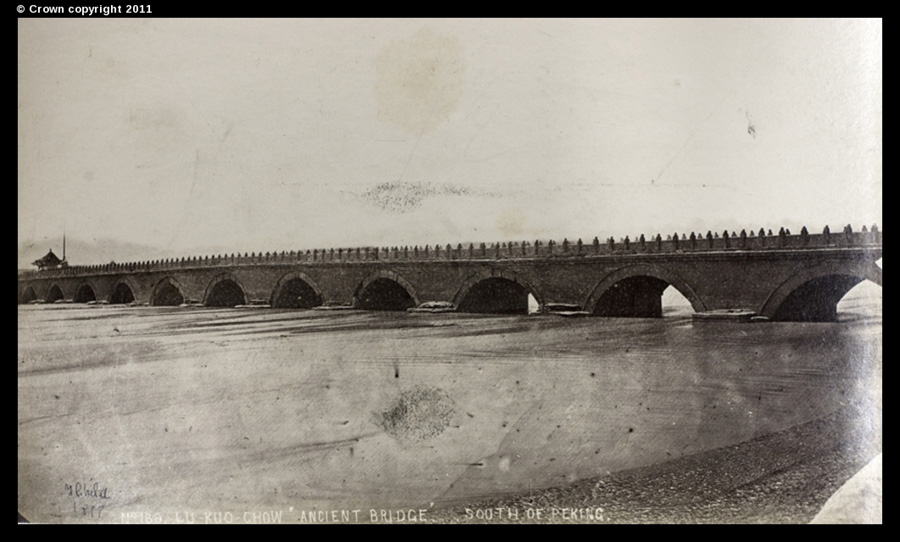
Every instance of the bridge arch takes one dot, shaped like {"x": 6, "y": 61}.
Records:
{"x": 296, "y": 290}
{"x": 636, "y": 290}
{"x": 28, "y": 295}
{"x": 385, "y": 290}
{"x": 498, "y": 291}
{"x": 85, "y": 292}
{"x": 224, "y": 290}
{"x": 812, "y": 294}
{"x": 167, "y": 292}
{"x": 54, "y": 293}
{"x": 122, "y": 292}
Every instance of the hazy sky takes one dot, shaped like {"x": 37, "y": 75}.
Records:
{"x": 190, "y": 135}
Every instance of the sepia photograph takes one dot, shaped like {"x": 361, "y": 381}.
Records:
{"x": 443, "y": 271}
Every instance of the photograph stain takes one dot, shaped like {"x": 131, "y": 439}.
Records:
{"x": 419, "y": 81}
{"x": 418, "y": 414}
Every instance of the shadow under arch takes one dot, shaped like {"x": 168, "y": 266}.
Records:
{"x": 500, "y": 291}
{"x": 167, "y": 292}
{"x": 28, "y": 295}
{"x": 54, "y": 293}
{"x": 296, "y": 290}
{"x": 385, "y": 290}
{"x": 812, "y": 294}
{"x": 635, "y": 277}
{"x": 224, "y": 290}
{"x": 85, "y": 292}
{"x": 122, "y": 291}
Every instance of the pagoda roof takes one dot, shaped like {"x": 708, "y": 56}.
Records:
{"x": 49, "y": 260}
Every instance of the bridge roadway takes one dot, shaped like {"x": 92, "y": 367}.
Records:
{"x": 797, "y": 277}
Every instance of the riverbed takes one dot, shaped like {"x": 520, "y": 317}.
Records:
{"x": 187, "y": 414}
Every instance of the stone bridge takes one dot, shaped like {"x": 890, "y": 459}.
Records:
{"x": 798, "y": 277}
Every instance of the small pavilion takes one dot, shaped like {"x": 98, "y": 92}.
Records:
{"x": 50, "y": 261}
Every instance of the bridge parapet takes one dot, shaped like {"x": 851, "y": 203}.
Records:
{"x": 674, "y": 243}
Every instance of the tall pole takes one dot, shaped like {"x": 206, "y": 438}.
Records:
{"x": 64, "y": 245}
